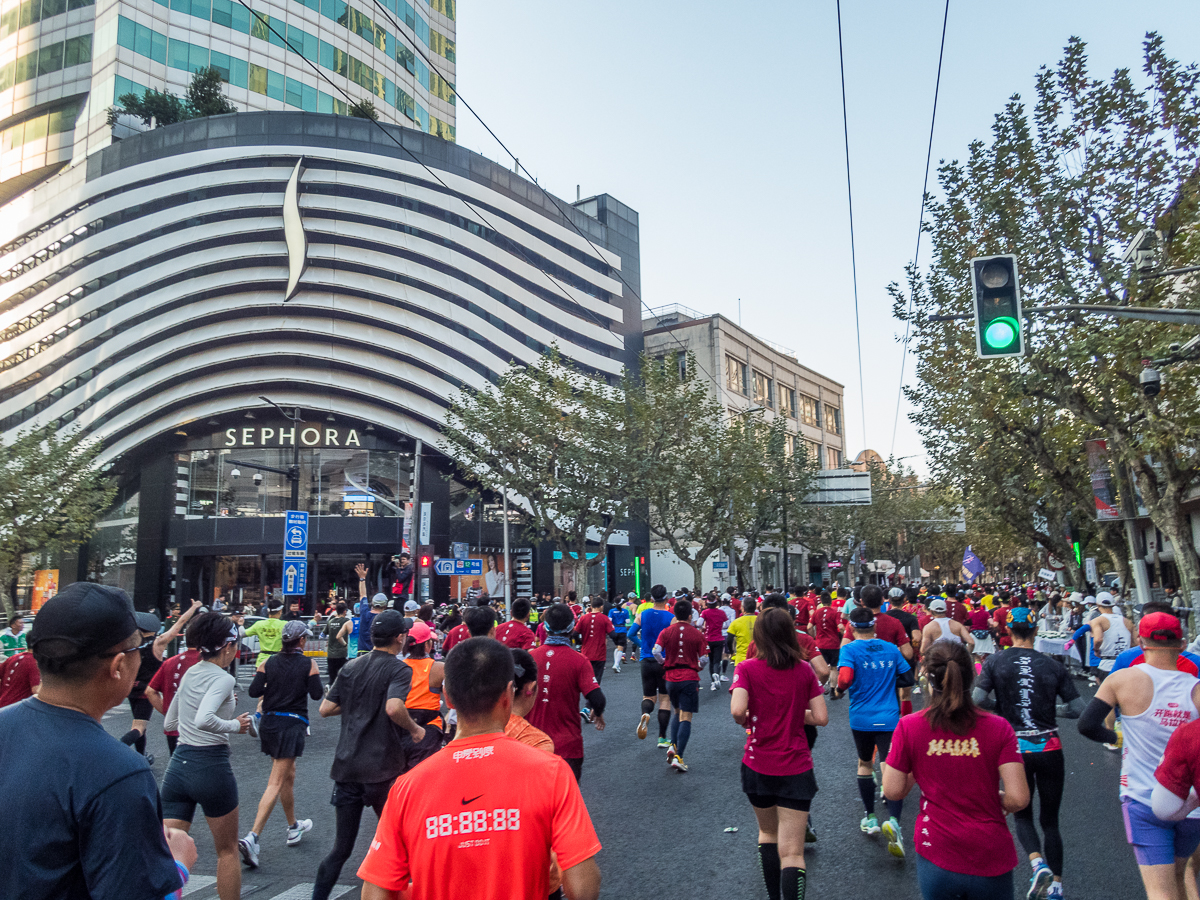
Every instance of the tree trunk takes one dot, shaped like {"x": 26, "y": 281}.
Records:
{"x": 1112, "y": 538}
{"x": 697, "y": 567}
{"x": 10, "y": 595}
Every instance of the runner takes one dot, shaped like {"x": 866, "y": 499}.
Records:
{"x": 154, "y": 645}
{"x": 619, "y": 616}
{"x": 1155, "y": 699}
{"x": 943, "y": 628}
{"x": 19, "y": 678}
{"x": 730, "y": 642}
{"x": 424, "y": 700}
{"x": 715, "y": 624}
{"x": 742, "y": 630}
{"x": 1026, "y": 685}
{"x": 563, "y": 676}
{"x": 775, "y": 695}
{"x": 337, "y": 633}
{"x": 1112, "y": 633}
{"x": 165, "y": 685}
{"x": 367, "y": 614}
{"x": 827, "y": 630}
{"x": 376, "y": 735}
{"x": 912, "y": 627}
{"x": 525, "y": 688}
{"x": 593, "y": 629}
{"x": 648, "y": 623}
{"x": 269, "y": 632}
{"x": 202, "y": 711}
{"x": 515, "y": 633}
{"x": 956, "y": 754}
{"x": 486, "y": 811}
{"x": 680, "y": 648}
{"x": 871, "y": 669}
{"x": 282, "y": 682}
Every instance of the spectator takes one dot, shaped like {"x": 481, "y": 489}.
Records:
{"x": 19, "y": 678}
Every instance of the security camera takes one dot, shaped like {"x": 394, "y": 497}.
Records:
{"x": 1142, "y": 251}
{"x": 1151, "y": 381}
{"x": 1175, "y": 347}
{"x": 235, "y": 473}
{"x": 258, "y": 477}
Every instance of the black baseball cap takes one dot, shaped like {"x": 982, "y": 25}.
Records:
{"x": 387, "y": 626}
{"x": 89, "y": 617}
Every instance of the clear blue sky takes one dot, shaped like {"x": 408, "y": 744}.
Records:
{"x": 721, "y": 124}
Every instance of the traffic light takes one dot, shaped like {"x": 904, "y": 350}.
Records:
{"x": 999, "y": 328}
{"x": 425, "y": 560}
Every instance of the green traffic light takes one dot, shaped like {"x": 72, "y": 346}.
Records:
{"x": 1000, "y": 333}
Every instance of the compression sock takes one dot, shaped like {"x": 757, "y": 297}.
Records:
{"x": 664, "y": 719}
{"x": 768, "y": 859}
{"x": 866, "y": 790}
{"x": 685, "y": 732}
{"x": 647, "y": 706}
{"x": 619, "y": 657}
{"x": 130, "y": 737}
{"x": 895, "y": 808}
{"x": 673, "y": 729}
{"x": 791, "y": 883}
{"x": 905, "y": 707}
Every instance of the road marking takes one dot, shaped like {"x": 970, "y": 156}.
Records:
{"x": 304, "y": 892}
{"x": 197, "y": 883}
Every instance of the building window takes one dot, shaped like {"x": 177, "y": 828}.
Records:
{"x": 833, "y": 458}
{"x": 764, "y": 390}
{"x": 812, "y": 450}
{"x": 737, "y": 376}
{"x": 835, "y": 419}
{"x": 787, "y": 401}
{"x": 809, "y": 411}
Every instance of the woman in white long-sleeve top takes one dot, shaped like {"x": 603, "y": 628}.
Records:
{"x": 200, "y": 771}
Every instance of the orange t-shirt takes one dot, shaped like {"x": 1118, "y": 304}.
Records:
{"x": 454, "y": 824}
{"x": 419, "y": 695}
{"x": 520, "y": 730}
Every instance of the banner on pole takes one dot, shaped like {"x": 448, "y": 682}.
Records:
{"x": 1100, "y": 469}
{"x": 972, "y": 566}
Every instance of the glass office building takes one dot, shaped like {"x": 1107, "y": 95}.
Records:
{"x": 155, "y": 288}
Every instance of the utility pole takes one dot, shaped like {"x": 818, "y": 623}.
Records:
{"x": 1141, "y": 578}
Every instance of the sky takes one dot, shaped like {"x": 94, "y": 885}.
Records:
{"x": 721, "y": 124}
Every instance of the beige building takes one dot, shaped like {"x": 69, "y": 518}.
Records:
{"x": 748, "y": 372}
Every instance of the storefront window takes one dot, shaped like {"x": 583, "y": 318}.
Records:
{"x": 333, "y": 482}
{"x": 768, "y": 570}
{"x": 112, "y": 550}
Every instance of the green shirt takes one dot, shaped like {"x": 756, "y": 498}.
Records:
{"x": 270, "y": 638}
{"x": 12, "y": 643}
{"x": 336, "y": 649}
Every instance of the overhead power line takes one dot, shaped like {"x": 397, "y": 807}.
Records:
{"x": 862, "y": 394}
{"x": 920, "y": 224}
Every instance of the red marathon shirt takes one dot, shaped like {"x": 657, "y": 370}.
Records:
{"x": 18, "y": 677}
{"x": 563, "y": 675}
{"x": 480, "y": 820}
{"x": 1179, "y": 770}
{"x": 682, "y": 646}
{"x": 826, "y": 623}
{"x": 515, "y": 635}
{"x": 166, "y": 679}
{"x": 595, "y": 627}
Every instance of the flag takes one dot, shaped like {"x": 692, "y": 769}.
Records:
{"x": 972, "y": 566}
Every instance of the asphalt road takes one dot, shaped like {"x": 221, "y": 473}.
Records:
{"x": 664, "y": 832}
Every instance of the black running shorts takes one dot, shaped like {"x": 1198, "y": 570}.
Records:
{"x": 789, "y": 791}
{"x": 685, "y": 695}
{"x": 654, "y": 679}
{"x": 867, "y": 742}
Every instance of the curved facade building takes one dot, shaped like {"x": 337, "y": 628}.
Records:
{"x": 153, "y": 293}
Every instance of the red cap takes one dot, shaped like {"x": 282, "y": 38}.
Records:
{"x": 1161, "y": 627}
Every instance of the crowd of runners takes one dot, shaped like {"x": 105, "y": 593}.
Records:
{"x": 490, "y": 709}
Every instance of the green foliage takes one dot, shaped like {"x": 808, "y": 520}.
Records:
{"x": 50, "y": 496}
{"x": 1065, "y": 187}
{"x": 364, "y": 109}
{"x": 204, "y": 98}
{"x": 558, "y": 441}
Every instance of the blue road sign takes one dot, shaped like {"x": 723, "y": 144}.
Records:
{"x": 444, "y": 567}
{"x": 295, "y": 576}
{"x": 468, "y": 567}
{"x": 295, "y": 535}
{"x": 721, "y": 566}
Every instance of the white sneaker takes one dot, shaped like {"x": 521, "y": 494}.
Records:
{"x": 724, "y": 677}
{"x": 295, "y": 832}
{"x": 248, "y": 847}
{"x": 713, "y": 686}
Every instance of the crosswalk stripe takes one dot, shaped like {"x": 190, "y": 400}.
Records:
{"x": 198, "y": 883}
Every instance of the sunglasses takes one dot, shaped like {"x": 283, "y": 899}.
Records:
{"x": 137, "y": 649}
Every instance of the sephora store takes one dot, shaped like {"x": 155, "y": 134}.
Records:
{"x": 180, "y": 294}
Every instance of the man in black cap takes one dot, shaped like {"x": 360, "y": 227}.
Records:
{"x": 377, "y": 733}
{"x": 83, "y": 818}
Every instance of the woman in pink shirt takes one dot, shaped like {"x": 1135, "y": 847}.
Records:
{"x": 775, "y": 694}
{"x": 956, "y": 753}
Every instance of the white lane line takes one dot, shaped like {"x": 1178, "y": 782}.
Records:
{"x": 198, "y": 883}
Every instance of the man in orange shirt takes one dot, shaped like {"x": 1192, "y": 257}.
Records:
{"x": 514, "y": 803}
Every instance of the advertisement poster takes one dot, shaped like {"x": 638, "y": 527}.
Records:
{"x": 489, "y": 584}
{"x": 1102, "y": 482}
{"x": 45, "y": 586}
